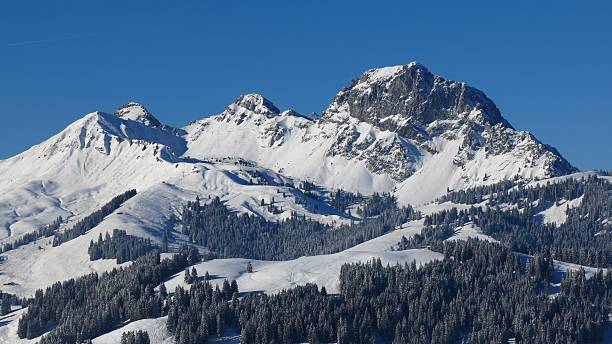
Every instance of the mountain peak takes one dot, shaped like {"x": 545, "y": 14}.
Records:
{"x": 256, "y": 103}
{"x": 411, "y": 93}
{"x": 137, "y": 112}
{"x": 386, "y": 73}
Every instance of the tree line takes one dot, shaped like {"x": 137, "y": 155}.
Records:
{"x": 510, "y": 192}
{"x": 366, "y": 206}
{"x": 92, "y": 219}
{"x": 135, "y": 337}
{"x": 119, "y": 246}
{"x": 480, "y": 292}
{"x": 44, "y": 232}
{"x": 91, "y": 305}
{"x": 230, "y": 234}
{"x": 513, "y": 218}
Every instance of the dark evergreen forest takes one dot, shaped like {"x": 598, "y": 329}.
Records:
{"x": 229, "y": 234}
{"x": 135, "y": 337}
{"x": 479, "y": 293}
{"x": 585, "y": 238}
{"x": 86, "y": 307}
{"x": 120, "y": 246}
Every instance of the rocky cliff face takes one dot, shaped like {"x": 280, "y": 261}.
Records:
{"x": 400, "y": 97}
{"x": 420, "y": 109}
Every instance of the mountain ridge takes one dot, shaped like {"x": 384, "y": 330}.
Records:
{"x": 389, "y": 143}
{"x": 362, "y": 149}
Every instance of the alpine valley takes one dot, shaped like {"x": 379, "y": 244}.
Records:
{"x": 409, "y": 211}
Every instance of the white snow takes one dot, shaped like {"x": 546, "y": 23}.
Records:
{"x": 376, "y": 75}
{"x": 274, "y": 276}
{"x": 557, "y": 213}
{"x": 136, "y": 112}
{"x": 470, "y": 230}
{"x": 302, "y": 153}
{"x": 156, "y": 328}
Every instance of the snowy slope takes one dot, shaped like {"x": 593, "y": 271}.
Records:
{"x": 156, "y": 328}
{"x": 100, "y": 156}
{"x": 84, "y": 166}
{"x": 469, "y": 230}
{"x": 557, "y": 213}
{"x": 324, "y": 270}
{"x": 148, "y": 214}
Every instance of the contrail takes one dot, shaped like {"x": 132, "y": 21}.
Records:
{"x": 54, "y": 39}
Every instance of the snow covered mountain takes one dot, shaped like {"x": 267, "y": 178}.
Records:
{"x": 396, "y": 129}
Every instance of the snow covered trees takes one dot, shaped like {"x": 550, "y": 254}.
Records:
{"x": 89, "y": 306}
{"x": 514, "y": 217}
{"x": 480, "y": 291}
{"x": 190, "y": 276}
{"x": 202, "y": 311}
{"x": 135, "y": 337}
{"x": 121, "y": 246}
{"x": 229, "y": 234}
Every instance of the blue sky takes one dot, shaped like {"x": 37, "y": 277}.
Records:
{"x": 547, "y": 66}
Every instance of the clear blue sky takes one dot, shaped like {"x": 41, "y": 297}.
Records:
{"x": 547, "y": 66}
